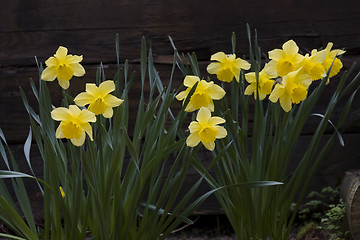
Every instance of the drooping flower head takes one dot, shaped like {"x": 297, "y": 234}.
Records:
{"x": 203, "y": 95}
{"x": 74, "y": 123}
{"x": 292, "y": 89}
{"x": 313, "y": 65}
{"x": 285, "y": 60}
{"x": 227, "y": 66}
{"x": 205, "y": 129}
{"x": 329, "y": 59}
{"x": 63, "y": 66}
{"x": 264, "y": 83}
{"x": 99, "y": 98}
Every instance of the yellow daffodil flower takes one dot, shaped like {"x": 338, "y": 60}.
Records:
{"x": 74, "y": 123}
{"x": 62, "y": 192}
{"x": 313, "y": 65}
{"x": 63, "y": 66}
{"x": 330, "y": 56}
{"x": 227, "y": 67}
{"x": 205, "y": 129}
{"x": 99, "y": 98}
{"x": 292, "y": 89}
{"x": 284, "y": 60}
{"x": 203, "y": 95}
{"x": 264, "y": 84}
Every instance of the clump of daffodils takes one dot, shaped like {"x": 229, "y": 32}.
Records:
{"x": 285, "y": 78}
{"x": 75, "y": 122}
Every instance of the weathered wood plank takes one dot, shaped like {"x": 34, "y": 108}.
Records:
{"x": 38, "y": 27}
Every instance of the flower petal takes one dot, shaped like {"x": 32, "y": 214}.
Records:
{"x": 189, "y": 80}
{"x": 83, "y": 98}
{"x": 243, "y": 64}
{"x": 106, "y": 87}
{"x": 49, "y": 74}
{"x": 213, "y": 68}
{"x": 203, "y": 115}
{"x": 88, "y": 129}
{"x": 80, "y": 141}
{"x": 108, "y": 112}
{"x": 61, "y": 53}
{"x": 87, "y": 116}
{"x": 215, "y": 120}
{"x": 219, "y": 56}
{"x": 60, "y": 114}
{"x": 193, "y": 140}
{"x": 78, "y": 69}
{"x": 209, "y": 145}
{"x": 285, "y": 103}
{"x": 194, "y": 127}
{"x": 51, "y": 62}
{"x": 182, "y": 95}
{"x": 112, "y": 101}
{"x": 276, "y": 54}
{"x": 92, "y": 89}
{"x": 276, "y": 93}
{"x": 73, "y": 59}
{"x": 290, "y": 48}
{"x": 59, "y": 133}
{"x": 64, "y": 83}
{"x": 221, "y": 132}
{"x": 215, "y": 92}
{"x": 250, "y": 89}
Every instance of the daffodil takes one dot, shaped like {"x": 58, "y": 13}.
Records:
{"x": 313, "y": 65}
{"x": 99, "y": 98}
{"x": 63, "y": 66}
{"x": 263, "y": 85}
{"x": 292, "y": 89}
{"x": 205, "y": 129}
{"x": 62, "y": 192}
{"x": 203, "y": 95}
{"x": 331, "y": 56}
{"x": 74, "y": 123}
{"x": 227, "y": 66}
{"x": 284, "y": 60}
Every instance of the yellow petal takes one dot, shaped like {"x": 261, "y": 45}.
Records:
{"x": 209, "y": 145}
{"x": 215, "y": 92}
{"x": 250, "y": 77}
{"x": 270, "y": 68}
{"x": 59, "y": 133}
{"x": 243, "y": 64}
{"x": 87, "y": 116}
{"x": 108, "y": 112}
{"x": 112, "y": 101}
{"x": 219, "y": 56}
{"x": 215, "y": 120}
{"x": 203, "y": 115}
{"x": 61, "y": 53}
{"x": 83, "y": 98}
{"x": 80, "y": 141}
{"x": 60, "y": 114}
{"x": 106, "y": 87}
{"x": 276, "y": 93}
{"x": 189, "y": 80}
{"x": 78, "y": 69}
{"x": 64, "y": 83}
{"x": 92, "y": 89}
{"x": 276, "y": 54}
{"x": 213, "y": 68}
{"x": 221, "y": 132}
{"x": 51, "y": 62}
{"x": 49, "y": 74}
{"x": 290, "y": 48}
{"x": 250, "y": 89}
{"x": 88, "y": 129}
{"x": 210, "y": 106}
{"x": 73, "y": 59}
{"x": 194, "y": 127}
{"x": 285, "y": 103}
{"x": 182, "y": 95}
{"x": 193, "y": 140}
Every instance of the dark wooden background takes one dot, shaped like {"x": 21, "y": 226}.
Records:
{"x": 36, "y": 28}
